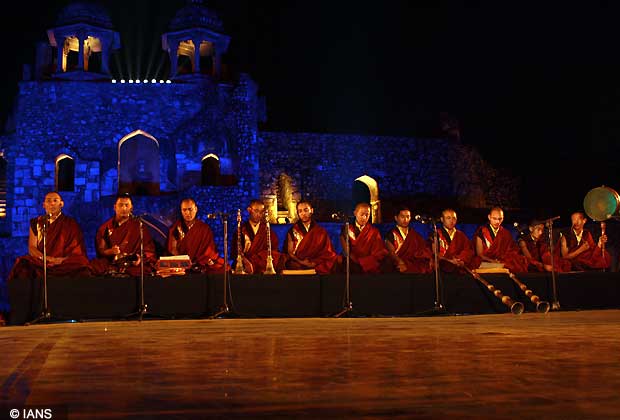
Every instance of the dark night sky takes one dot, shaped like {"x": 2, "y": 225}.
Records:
{"x": 536, "y": 87}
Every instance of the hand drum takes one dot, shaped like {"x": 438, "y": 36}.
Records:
{"x": 601, "y": 203}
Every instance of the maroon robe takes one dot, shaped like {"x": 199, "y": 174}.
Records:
{"x": 367, "y": 247}
{"x": 591, "y": 259}
{"x": 313, "y": 245}
{"x": 412, "y": 249}
{"x": 457, "y": 247}
{"x": 127, "y": 237}
{"x": 254, "y": 246}
{"x": 501, "y": 247}
{"x": 536, "y": 248}
{"x": 198, "y": 243}
{"x": 63, "y": 239}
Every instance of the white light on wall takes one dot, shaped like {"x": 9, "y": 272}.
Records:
{"x": 161, "y": 81}
{"x": 113, "y": 80}
{"x": 122, "y": 80}
{"x": 168, "y": 81}
{"x": 145, "y": 81}
{"x": 138, "y": 81}
{"x": 153, "y": 81}
{"x": 130, "y": 80}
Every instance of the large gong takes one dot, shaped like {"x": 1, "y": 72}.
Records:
{"x": 601, "y": 203}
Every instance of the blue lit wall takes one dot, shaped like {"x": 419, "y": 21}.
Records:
{"x": 87, "y": 120}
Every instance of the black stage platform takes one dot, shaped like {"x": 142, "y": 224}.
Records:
{"x": 197, "y": 295}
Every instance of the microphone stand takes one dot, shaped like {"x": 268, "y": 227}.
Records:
{"x": 348, "y": 305}
{"x": 224, "y": 309}
{"x": 555, "y": 304}
{"x": 45, "y": 312}
{"x": 142, "y": 307}
{"x": 438, "y": 309}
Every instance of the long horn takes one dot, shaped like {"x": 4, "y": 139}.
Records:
{"x": 515, "y": 307}
{"x": 542, "y": 306}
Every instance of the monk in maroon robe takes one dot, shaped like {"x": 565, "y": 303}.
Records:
{"x": 367, "y": 247}
{"x": 494, "y": 243}
{"x": 194, "y": 238}
{"x": 455, "y": 250}
{"x": 308, "y": 245}
{"x": 577, "y": 249}
{"x": 118, "y": 243}
{"x": 533, "y": 246}
{"x": 408, "y": 252}
{"x": 254, "y": 244}
{"x": 65, "y": 250}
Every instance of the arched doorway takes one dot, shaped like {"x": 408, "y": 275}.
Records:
{"x": 138, "y": 164}
{"x": 366, "y": 190}
{"x": 65, "y": 173}
{"x": 210, "y": 170}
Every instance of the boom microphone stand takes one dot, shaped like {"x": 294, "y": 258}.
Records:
{"x": 224, "y": 309}
{"x": 45, "y": 312}
{"x": 347, "y": 304}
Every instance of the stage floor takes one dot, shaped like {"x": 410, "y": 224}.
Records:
{"x": 558, "y": 365}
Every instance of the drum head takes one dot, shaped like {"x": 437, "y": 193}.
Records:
{"x": 601, "y": 203}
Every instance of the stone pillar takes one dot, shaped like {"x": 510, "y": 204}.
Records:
{"x": 106, "y": 47}
{"x": 80, "y": 41}
{"x": 87, "y": 50}
{"x": 217, "y": 64}
{"x": 60, "y": 56}
{"x": 196, "y": 68}
{"x": 174, "y": 58}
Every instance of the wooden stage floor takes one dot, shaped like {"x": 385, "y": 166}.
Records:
{"x": 558, "y": 365}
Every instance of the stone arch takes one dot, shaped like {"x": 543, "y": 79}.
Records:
{"x": 366, "y": 189}
{"x": 286, "y": 197}
{"x": 210, "y": 169}
{"x": 138, "y": 164}
{"x": 64, "y": 173}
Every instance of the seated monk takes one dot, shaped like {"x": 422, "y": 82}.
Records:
{"x": 254, "y": 245}
{"x": 494, "y": 243}
{"x": 367, "y": 247}
{"x": 308, "y": 244}
{"x": 408, "y": 252}
{"x": 455, "y": 250}
{"x": 191, "y": 236}
{"x": 533, "y": 246}
{"x": 577, "y": 249}
{"x": 118, "y": 243}
{"x": 65, "y": 250}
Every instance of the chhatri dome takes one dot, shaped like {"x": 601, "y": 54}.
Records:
{"x": 196, "y": 15}
{"x": 84, "y": 12}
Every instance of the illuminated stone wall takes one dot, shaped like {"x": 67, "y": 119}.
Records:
{"x": 324, "y": 167}
{"x": 87, "y": 120}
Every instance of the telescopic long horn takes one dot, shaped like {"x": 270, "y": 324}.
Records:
{"x": 542, "y": 306}
{"x": 515, "y": 307}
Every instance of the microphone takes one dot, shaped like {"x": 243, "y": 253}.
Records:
{"x": 217, "y": 214}
{"x": 422, "y": 218}
{"x": 518, "y": 227}
{"x": 47, "y": 220}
